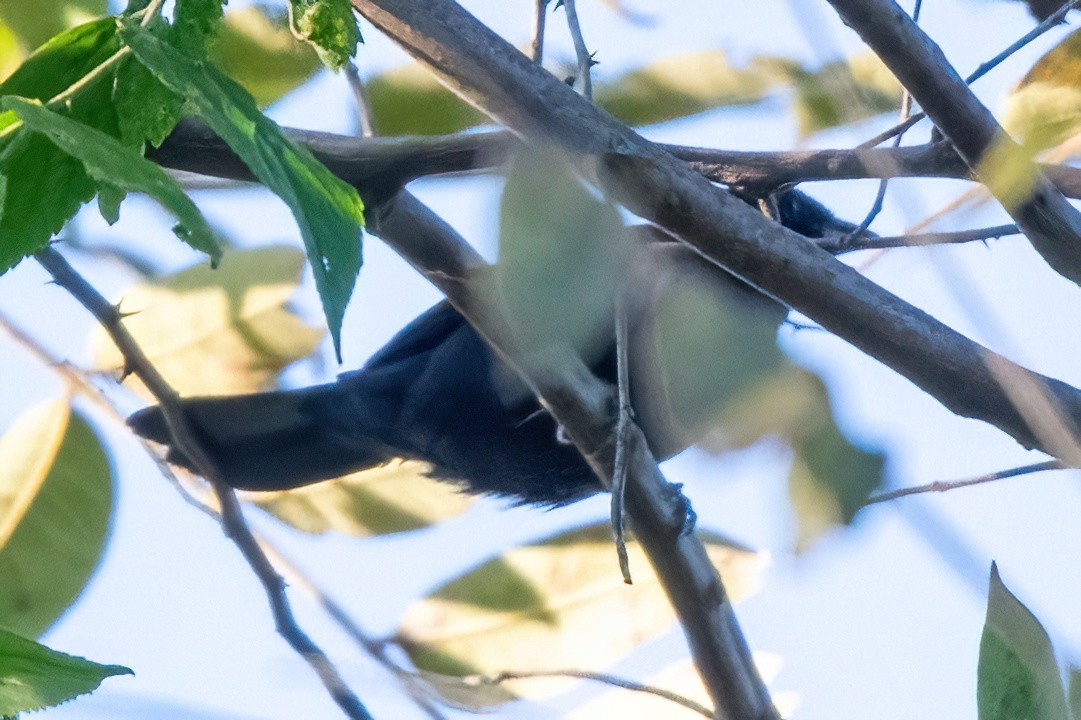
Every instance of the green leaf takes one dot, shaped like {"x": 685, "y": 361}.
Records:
{"x": 396, "y": 497}
{"x": 113, "y": 164}
{"x": 11, "y": 54}
{"x": 195, "y": 24}
{"x": 328, "y": 211}
{"x": 38, "y": 20}
{"x": 217, "y": 332}
{"x": 262, "y": 55}
{"x": 1074, "y": 692}
{"x": 561, "y": 257}
{"x": 408, "y": 100}
{"x": 1045, "y": 107}
{"x": 33, "y": 677}
{"x": 683, "y": 85}
{"x": 843, "y": 92}
{"x": 1018, "y": 677}
{"x": 42, "y": 187}
{"x": 329, "y": 26}
{"x": 556, "y": 604}
{"x": 55, "y": 503}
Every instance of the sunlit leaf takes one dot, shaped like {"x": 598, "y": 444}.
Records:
{"x": 553, "y": 605}
{"x": 11, "y": 54}
{"x": 328, "y": 211}
{"x": 329, "y": 26}
{"x": 1018, "y": 677}
{"x": 35, "y": 21}
{"x": 1045, "y": 107}
{"x": 408, "y": 100}
{"x": 682, "y": 85}
{"x": 113, "y": 165}
{"x": 55, "y": 503}
{"x": 34, "y": 677}
{"x": 217, "y": 332}
{"x": 561, "y": 257}
{"x": 393, "y": 498}
{"x": 262, "y": 55}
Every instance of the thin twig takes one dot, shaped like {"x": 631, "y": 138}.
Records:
{"x": 979, "y": 72}
{"x": 607, "y": 679}
{"x": 184, "y": 440}
{"x": 360, "y": 100}
{"x": 619, "y": 472}
{"x": 585, "y": 60}
{"x": 540, "y": 17}
{"x": 918, "y": 240}
{"x": 946, "y": 485}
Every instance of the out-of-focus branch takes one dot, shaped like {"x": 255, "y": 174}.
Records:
{"x": 846, "y": 244}
{"x": 232, "y": 518}
{"x": 947, "y": 485}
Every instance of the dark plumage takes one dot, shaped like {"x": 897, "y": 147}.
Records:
{"x": 436, "y": 393}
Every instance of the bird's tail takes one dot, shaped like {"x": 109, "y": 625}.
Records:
{"x": 267, "y": 441}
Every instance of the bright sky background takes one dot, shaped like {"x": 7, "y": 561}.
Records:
{"x": 882, "y": 620}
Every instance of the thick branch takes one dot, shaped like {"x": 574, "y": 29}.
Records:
{"x": 1047, "y": 219}
{"x": 380, "y": 166}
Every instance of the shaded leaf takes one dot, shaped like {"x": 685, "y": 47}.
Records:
{"x": 561, "y": 257}
{"x": 552, "y": 605}
{"x": 114, "y": 165}
{"x": 681, "y": 85}
{"x": 1017, "y": 677}
{"x": 262, "y": 55}
{"x": 217, "y": 332}
{"x": 33, "y": 677}
{"x": 1045, "y": 107}
{"x": 396, "y": 497}
{"x": 196, "y": 23}
{"x": 36, "y": 21}
{"x": 55, "y": 503}
{"x": 408, "y": 100}
{"x": 328, "y": 212}
{"x": 1074, "y": 692}
{"x": 329, "y": 26}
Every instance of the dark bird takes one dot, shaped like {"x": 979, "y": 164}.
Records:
{"x": 436, "y": 393}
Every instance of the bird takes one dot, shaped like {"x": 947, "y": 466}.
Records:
{"x": 437, "y": 393}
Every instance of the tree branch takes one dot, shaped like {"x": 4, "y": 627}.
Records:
{"x": 587, "y": 409}
{"x": 1043, "y": 214}
{"x": 183, "y": 438}
{"x": 381, "y": 166}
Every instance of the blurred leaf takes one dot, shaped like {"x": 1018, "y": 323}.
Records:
{"x": 1018, "y": 677}
{"x": 408, "y": 100}
{"x": 115, "y": 166}
{"x": 1045, "y": 107}
{"x": 552, "y": 605}
{"x": 11, "y": 53}
{"x": 682, "y": 85}
{"x": 217, "y": 332}
{"x": 35, "y": 21}
{"x": 1074, "y": 692}
{"x": 561, "y": 257}
{"x": 830, "y": 478}
{"x": 843, "y": 92}
{"x": 1043, "y": 9}
{"x": 55, "y": 503}
{"x": 33, "y": 677}
{"x": 328, "y": 211}
{"x": 262, "y": 55}
{"x": 396, "y": 497}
